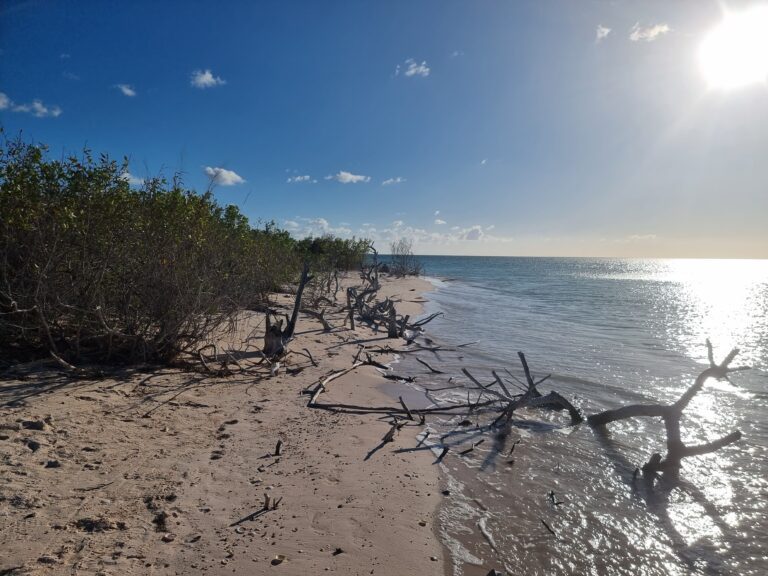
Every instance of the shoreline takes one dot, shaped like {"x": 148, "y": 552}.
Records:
{"x": 166, "y": 471}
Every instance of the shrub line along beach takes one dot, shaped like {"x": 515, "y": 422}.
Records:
{"x": 145, "y": 428}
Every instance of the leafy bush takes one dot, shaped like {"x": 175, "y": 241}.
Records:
{"x": 92, "y": 269}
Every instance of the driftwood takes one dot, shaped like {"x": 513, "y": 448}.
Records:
{"x": 319, "y": 316}
{"x": 676, "y": 449}
{"x": 430, "y": 368}
{"x": 74, "y": 371}
{"x": 276, "y": 338}
{"x": 444, "y": 410}
{"x": 361, "y": 302}
{"x": 324, "y": 382}
{"x": 405, "y": 407}
{"x": 529, "y": 398}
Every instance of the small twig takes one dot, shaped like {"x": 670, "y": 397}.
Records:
{"x": 407, "y": 411}
{"x": 433, "y": 370}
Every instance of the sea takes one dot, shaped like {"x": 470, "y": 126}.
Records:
{"x": 544, "y": 497}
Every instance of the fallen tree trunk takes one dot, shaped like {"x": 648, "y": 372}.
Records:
{"x": 676, "y": 449}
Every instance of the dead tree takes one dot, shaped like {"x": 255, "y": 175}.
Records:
{"x": 529, "y": 398}
{"x": 276, "y": 338}
{"x": 676, "y": 449}
{"x": 381, "y": 314}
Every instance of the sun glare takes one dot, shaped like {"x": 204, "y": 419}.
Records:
{"x": 735, "y": 53}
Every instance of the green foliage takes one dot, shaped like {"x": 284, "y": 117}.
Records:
{"x": 91, "y": 268}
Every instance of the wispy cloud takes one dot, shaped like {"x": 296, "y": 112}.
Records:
{"x": 223, "y": 177}
{"x": 642, "y": 238}
{"x": 126, "y": 89}
{"x": 412, "y": 68}
{"x": 601, "y": 33}
{"x": 131, "y": 179}
{"x": 296, "y": 179}
{"x": 348, "y": 178}
{"x": 484, "y": 161}
{"x": 64, "y": 56}
{"x": 36, "y": 107}
{"x": 437, "y": 212}
{"x": 440, "y": 222}
{"x": 40, "y": 110}
{"x": 457, "y": 53}
{"x": 70, "y": 76}
{"x": 205, "y": 79}
{"x": 637, "y": 33}
{"x": 390, "y": 181}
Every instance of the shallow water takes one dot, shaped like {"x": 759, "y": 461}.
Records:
{"x": 611, "y": 332}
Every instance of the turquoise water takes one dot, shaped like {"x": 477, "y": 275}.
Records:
{"x": 611, "y": 332}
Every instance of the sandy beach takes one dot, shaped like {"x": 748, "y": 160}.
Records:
{"x": 165, "y": 471}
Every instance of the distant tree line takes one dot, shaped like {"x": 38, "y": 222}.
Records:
{"x": 92, "y": 269}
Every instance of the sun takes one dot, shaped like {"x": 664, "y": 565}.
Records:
{"x": 735, "y": 53}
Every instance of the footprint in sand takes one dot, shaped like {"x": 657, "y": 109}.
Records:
{"x": 217, "y": 454}
{"x": 222, "y": 435}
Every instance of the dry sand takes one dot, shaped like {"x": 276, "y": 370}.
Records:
{"x": 164, "y": 471}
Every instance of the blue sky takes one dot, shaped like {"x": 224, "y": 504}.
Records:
{"x": 473, "y": 127}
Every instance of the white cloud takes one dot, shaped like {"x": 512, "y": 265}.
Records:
{"x": 439, "y": 222}
{"x": 126, "y": 89}
{"x": 70, "y": 76}
{"x": 131, "y": 179}
{"x": 457, "y": 53}
{"x": 442, "y": 239}
{"x": 649, "y": 34}
{"x": 473, "y": 233}
{"x": 413, "y": 68}
{"x": 64, "y": 56}
{"x": 205, "y": 79}
{"x": 484, "y": 161}
{"x": 223, "y": 177}
{"x": 305, "y": 227}
{"x": 348, "y": 178}
{"x": 390, "y": 181}
{"x": 36, "y": 108}
{"x": 294, "y": 179}
{"x": 437, "y": 212}
{"x": 601, "y": 33}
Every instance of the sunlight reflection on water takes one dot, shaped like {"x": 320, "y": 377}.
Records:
{"x": 614, "y": 332}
